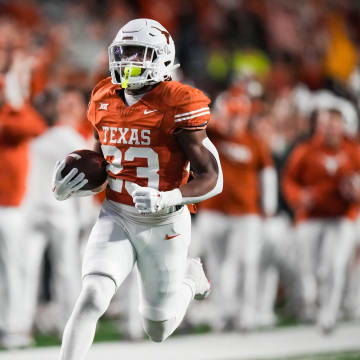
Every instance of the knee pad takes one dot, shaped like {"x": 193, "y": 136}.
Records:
{"x": 158, "y": 331}
{"x": 97, "y": 293}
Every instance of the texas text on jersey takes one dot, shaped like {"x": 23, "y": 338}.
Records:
{"x": 137, "y": 140}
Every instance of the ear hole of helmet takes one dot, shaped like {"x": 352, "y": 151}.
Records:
{"x": 167, "y": 63}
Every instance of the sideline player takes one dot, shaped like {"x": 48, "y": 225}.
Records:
{"x": 19, "y": 124}
{"x": 316, "y": 185}
{"x": 52, "y": 225}
{"x": 149, "y": 129}
{"x": 234, "y": 243}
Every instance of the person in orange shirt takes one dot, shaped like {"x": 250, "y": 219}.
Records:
{"x": 52, "y": 226}
{"x": 318, "y": 186}
{"x": 233, "y": 243}
{"x": 19, "y": 123}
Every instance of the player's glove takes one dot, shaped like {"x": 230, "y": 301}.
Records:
{"x": 151, "y": 201}
{"x": 64, "y": 187}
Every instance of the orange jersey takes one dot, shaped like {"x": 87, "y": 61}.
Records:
{"x": 242, "y": 158}
{"x": 138, "y": 140}
{"x": 319, "y": 170}
{"x": 16, "y": 129}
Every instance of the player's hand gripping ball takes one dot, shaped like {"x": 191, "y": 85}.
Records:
{"x": 83, "y": 170}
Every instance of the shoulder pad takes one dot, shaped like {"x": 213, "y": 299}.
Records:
{"x": 103, "y": 88}
{"x": 172, "y": 94}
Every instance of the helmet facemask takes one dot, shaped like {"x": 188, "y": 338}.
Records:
{"x": 135, "y": 65}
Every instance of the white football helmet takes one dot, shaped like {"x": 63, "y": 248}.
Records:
{"x": 142, "y": 53}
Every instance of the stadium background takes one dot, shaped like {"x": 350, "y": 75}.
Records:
{"x": 280, "y": 52}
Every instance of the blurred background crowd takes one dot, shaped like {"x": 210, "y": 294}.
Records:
{"x": 284, "y": 79}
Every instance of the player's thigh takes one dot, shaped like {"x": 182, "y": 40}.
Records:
{"x": 109, "y": 251}
{"x": 307, "y": 235}
{"x": 343, "y": 241}
{"x": 162, "y": 260}
{"x": 64, "y": 246}
{"x": 277, "y": 234}
{"x": 252, "y": 239}
{"x": 12, "y": 226}
{"x": 212, "y": 226}
{"x": 244, "y": 239}
{"x": 12, "y": 237}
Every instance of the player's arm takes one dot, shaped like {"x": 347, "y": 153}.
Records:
{"x": 187, "y": 124}
{"x": 21, "y": 124}
{"x": 205, "y": 164}
{"x": 268, "y": 180}
{"x": 71, "y": 184}
{"x": 349, "y": 185}
{"x": 207, "y": 182}
{"x": 269, "y": 190}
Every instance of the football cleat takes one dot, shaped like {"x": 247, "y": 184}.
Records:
{"x": 196, "y": 274}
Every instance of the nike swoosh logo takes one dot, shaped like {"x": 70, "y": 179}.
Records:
{"x": 146, "y": 111}
{"x": 169, "y": 237}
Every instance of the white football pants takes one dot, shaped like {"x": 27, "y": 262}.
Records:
{"x": 277, "y": 260}
{"x": 58, "y": 232}
{"x": 125, "y": 304}
{"x": 120, "y": 238}
{"x": 160, "y": 250}
{"x": 352, "y": 295}
{"x": 12, "y": 258}
{"x": 324, "y": 248}
{"x": 233, "y": 250}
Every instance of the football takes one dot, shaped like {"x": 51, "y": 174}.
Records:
{"x": 92, "y": 164}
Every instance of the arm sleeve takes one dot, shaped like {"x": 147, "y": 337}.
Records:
{"x": 269, "y": 190}
{"x": 193, "y": 111}
{"x": 217, "y": 189}
{"x": 268, "y": 180}
{"x": 174, "y": 197}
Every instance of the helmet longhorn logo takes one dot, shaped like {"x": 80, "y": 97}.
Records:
{"x": 165, "y": 33}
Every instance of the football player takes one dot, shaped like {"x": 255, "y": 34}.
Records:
{"x": 234, "y": 244}
{"x": 52, "y": 225}
{"x": 150, "y": 129}
{"x": 19, "y": 123}
{"x": 317, "y": 184}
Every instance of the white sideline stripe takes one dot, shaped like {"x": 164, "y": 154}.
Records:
{"x": 272, "y": 344}
{"x": 191, "y": 112}
{"x": 193, "y": 116}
